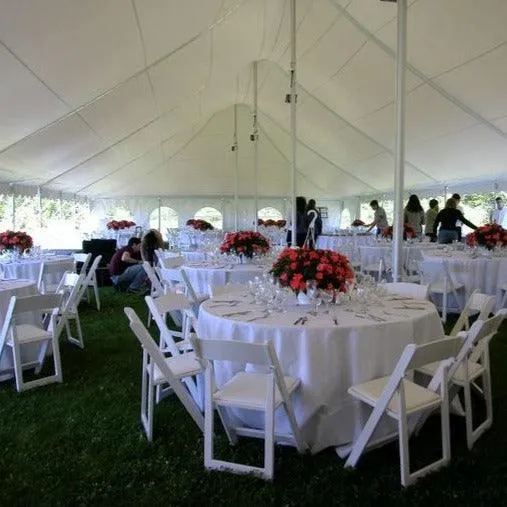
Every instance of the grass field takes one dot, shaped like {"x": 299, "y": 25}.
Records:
{"x": 80, "y": 443}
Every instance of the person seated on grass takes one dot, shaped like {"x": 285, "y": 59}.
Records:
{"x": 126, "y": 268}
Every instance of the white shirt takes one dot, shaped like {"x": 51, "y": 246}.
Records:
{"x": 500, "y": 217}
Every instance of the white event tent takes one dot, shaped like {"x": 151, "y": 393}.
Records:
{"x": 133, "y": 101}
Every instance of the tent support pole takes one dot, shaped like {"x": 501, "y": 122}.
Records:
{"x": 399, "y": 155}
{"x": 13, "y": 192}
{"x": 39, "y": 197}
{"x": 293, "y": 117}
{"x": 256, "y": 145}
{"x": 236, "y": 166}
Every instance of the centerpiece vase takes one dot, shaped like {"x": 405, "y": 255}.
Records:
{"x": 303, "y": 299}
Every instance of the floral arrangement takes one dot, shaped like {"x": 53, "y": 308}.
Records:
{"x": 244, "y": 243}
{"x": 272, "y": 223}
{"x": 117, "y": 225}
{"x": 295, "y": 267}
{"x": 15, "y": 239}
{"x": 199, "y": 225}
{"x": 358, "y": 223}
{"x": 489, "y": 236}
{"x": 408, "y": 232}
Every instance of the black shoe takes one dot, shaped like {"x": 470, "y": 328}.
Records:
{"x": 135, "y": 291}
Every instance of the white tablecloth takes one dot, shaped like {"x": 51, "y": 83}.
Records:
{"x": 201, "y": 276}
{"x": 487, "y": 274}
{"x": 194, "y": 255}
{"x": 373, "y": 253}
{"x": 9, "y": 288}
{"x": 338, "y": 243}
{"x": 327, "y": 358}
{"x": 29, "y": 268}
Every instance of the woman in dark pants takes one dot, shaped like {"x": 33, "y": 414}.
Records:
{"x": 447, "y": 218}
{"x": 301, "y": 223}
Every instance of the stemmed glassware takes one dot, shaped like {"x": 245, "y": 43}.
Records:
{"x": 313, "y": 292}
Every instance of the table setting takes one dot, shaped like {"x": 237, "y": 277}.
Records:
{"x": 329, "y": 339}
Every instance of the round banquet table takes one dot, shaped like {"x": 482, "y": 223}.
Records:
{"x": 9, "y": 288}
{"x": 337, "y": 242}
{"x": 29, "y": 268}
{"x": 485, "y": 273}
{"x": 202, "y": 275}
{"x": 373, "y": 253}
{"x": 328, "y": 358}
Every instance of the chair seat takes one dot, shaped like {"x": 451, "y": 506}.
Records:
{"x": 474, "y": 371}
{"x": 249, "y": 390}
{"x": 28, "y": 333}
{"x": 416, "y": 397}
{"x": 184, "y": 365}
{"x": 439, "y": 287}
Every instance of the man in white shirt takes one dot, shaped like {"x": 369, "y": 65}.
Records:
{"x": 379, "y": 217}
{"x": 499, "y": 215}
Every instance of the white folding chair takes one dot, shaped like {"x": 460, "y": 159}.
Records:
{"x": 91, "y": 281}
{"x": 399, "y": 398}
{"x": 15, "y": 335}
{"x": 477, "y": 303}
{"x": 156, "y": 286}
{"x": 247, "y": 390}
{"x": 414, "y": 290}
{"x": 503, "y": 289}
{"x": 48, "y": 272}
{"x": 171, "y": 262}
{"x": 194, "y": 297}
{"x": 70, "y": 287}
{"x": 82, "y": 258}
{"x": 469, "y": 368}
{"x": 159, "y": 308}
{"x": 446, "y": 287}
{"x": 158, "y": 370}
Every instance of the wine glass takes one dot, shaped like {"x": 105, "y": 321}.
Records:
{"x": 313, "y": 293}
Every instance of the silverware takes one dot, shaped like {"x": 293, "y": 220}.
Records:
{"x": 335, "y": 321}
{"x": 297, "y": 321}
{"x": 236, "y": 313}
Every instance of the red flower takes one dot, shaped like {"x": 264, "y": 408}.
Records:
{"x": 489, "y": 236}
{"x": 244, "y": 242}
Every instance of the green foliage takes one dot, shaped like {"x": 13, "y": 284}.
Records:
{"x": 80, "y": 443}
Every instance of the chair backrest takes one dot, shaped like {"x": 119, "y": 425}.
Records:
{"x": 488, "y": 329}
{"x": 234, "y": 351}
{"x": 70, "y": 287}
{"x": 188, "y": 285}
{"x": 414, "y": 290}
{"x": 157, "y": 289}
{"x": 84, "y": 258}
{"x": 91, "y": 272}
{"x": 47, "y": 269}
{"x": 159, "y": 307}
{"x": 477, "y": 303}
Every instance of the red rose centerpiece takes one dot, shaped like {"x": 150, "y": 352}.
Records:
{"x": 117, "y": 225}
{"x": 408, "y": 232}
{"x": 199, "y": 225}
{"x": 295, "y": 267}
{"x": 15, "y": 239}
{"x": 244, "y": 243}
{"x": 488, "y": 236}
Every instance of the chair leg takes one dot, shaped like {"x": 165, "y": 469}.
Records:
{"x": 18, "y": 369}
{"x": 269, "y": 441}
{"x": 96, "y": 292}
{"x": 468, "y": 415}
{"x": 404, "y": 453}
{"x": 79, "y": 330}
{"x": 504, "y": 300}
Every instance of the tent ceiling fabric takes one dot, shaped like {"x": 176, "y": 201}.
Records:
{"x": 111, "y": 98}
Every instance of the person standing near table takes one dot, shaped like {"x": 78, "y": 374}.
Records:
{"x": 314, "y": 224}
{"x": 448, "y": 218}
{"x": 459, "y": 223}
{"x": 379, "y": 217}
{"x": 301, "y": 225}
{"x": 413, "y": 215}
{"x": 431, "y": 214}
{"x": 499, "y": 215}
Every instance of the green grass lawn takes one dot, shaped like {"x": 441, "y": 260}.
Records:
{"x": 81, "y": 443}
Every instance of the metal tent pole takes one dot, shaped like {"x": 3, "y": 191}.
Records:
{"x": 236, "y": 166}
{"x": 293, "y": 117}
{"x": 255, "y": 139}
{"x": 399, "y": 153}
